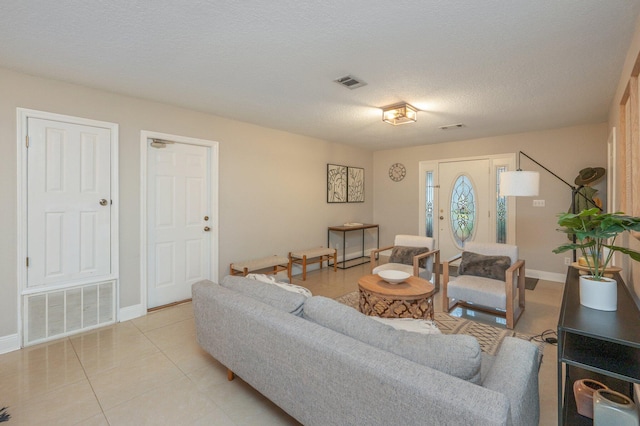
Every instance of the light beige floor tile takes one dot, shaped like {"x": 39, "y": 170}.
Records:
{"x": 133, "y": 378}
{"x": 211, "y": 375}
{"x": 189, "y": 357}
{"x": 179, "y": 333}
{"x": 163, "y": 317}
{"x": 68, "y": 405}
{"x": 216, "y": 417}
{"x": 175, "y": 402}
{"x": 244, "y": 405}
{"x": 97, "y": 420}
{"x": 39, "y": 370}
{"x": 112, "y": 350}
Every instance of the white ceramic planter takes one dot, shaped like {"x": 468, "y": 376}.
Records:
{"x": 601, "y": 295}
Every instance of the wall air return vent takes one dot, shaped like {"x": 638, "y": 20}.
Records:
{"x": 350, "y": 82}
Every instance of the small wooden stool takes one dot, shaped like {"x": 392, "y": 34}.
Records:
{"x": 317, "y": 255}
{"x": 267, "y": 265}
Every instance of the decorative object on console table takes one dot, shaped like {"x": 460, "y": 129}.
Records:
{"x": 355, "y": 185}
{"x": 583, "y": 390}
{"x": 592, "y": 232}
{"x": 336, "y": 183}
{"x": 613, "y": 408}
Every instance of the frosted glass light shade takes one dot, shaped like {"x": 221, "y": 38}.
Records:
{"x": 399, "y": 114}
{"x": 519, "y": 183}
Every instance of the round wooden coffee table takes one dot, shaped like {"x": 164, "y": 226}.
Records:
{"x": 412, "y": 298}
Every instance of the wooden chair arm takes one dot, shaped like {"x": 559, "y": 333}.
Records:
{"x": 518, "y": 267}
{"x": 436, "y": 264}
{"x": 445, "y": 272}
{"x": 376, "y": 251}
{"x": 453, "y": 259}
{"x": 373, "y": 256}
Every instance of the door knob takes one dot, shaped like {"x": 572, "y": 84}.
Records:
{"x": 103, "y": 202}
{"x": 441, "y": 217}
{"x": 207, "y": 229}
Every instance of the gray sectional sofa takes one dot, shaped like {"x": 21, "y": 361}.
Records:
{"x": 327, "y": 364}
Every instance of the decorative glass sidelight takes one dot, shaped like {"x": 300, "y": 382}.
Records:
{"x": 463, "y": 210}
{"x": 429, "y": 205}
{"x": 501, "y": 209}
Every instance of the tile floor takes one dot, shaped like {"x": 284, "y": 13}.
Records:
{"x": 150, "y": 370}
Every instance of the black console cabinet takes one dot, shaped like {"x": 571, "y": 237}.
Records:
{"x": 600, "y": 345}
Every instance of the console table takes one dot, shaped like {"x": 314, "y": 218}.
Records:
{"x": 599, "y": 345}
{"x": 344, "y": 229}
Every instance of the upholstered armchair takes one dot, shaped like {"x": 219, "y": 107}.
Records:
{"x": 413, "y": 254}
{"x": 490, "y": 278}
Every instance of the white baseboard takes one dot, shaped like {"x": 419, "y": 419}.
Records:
{"x": 547, "y": 276}
{"x": 131, "y": 312}
{"x": 9, "y": 343}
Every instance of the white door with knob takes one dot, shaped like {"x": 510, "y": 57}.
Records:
{"x": 68, "y": 203}
{"x": 179, "y": 220}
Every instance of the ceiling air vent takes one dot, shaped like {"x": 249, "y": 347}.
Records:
{"x": 350, "y": 82}
{"x": 451, "y": 126}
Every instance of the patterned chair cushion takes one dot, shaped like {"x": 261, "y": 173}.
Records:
{"x": 405, "y": 255}
{"x": 479, "y": 265}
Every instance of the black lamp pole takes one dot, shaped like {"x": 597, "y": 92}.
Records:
{"x": 574, "y": 190}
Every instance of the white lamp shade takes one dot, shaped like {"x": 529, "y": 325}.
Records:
{"x": 519, "y": 183}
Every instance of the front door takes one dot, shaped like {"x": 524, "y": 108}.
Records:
{"x": 463, "y": 204}
{"x": 179, "y": 220}
{"x": 68, "y": 202}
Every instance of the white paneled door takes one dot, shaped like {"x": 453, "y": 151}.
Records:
{"x": 463, "y": 205}
{"x": 179, "y": 222}
{"x": 69, "y": 202}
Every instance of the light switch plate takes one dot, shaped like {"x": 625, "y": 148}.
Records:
{"x": 538, "y": 203}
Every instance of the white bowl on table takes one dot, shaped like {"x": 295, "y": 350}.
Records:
{"x": 393, "y": 277}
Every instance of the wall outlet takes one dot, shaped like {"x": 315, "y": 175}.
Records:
{"x": 567, "y": 261}
{"x": 538, "y": 203}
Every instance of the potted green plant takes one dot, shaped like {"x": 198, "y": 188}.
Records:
{"x": 595, "y": 232}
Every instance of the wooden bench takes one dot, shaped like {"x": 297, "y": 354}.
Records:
{"x": 266, "y": 265}
{"x": 313, "y": 255}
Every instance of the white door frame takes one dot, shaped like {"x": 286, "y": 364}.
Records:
{"x": 508, "y": 160}
{"x": 22, "y": 115}
{"x": 215, "y": 219}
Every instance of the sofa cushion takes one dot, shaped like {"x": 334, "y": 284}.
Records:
{"x": 267, "y": 293}
{"x": 457, "y": 355}
{"x": 405, "y": 255}
{"x": 479, "y": 265}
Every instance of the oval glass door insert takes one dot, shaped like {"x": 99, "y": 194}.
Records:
{"x": 463, "y": 210}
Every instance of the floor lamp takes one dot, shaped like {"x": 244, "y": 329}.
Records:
{"x": 522, "y": 183}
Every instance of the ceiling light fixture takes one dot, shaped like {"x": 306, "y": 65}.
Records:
{"x": 399, "y": 114}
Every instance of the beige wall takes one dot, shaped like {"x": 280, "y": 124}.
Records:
{"x": 563, "y": 151}
{"x": 631, "y": 269}
{"x": 271, "y": 183}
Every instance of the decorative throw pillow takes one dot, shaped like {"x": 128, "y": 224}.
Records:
{"x": 484, "y": 266}
{"x": 270, "y": 279}
{"x": 413, "y": 325}
{"x": 404, "y": 255}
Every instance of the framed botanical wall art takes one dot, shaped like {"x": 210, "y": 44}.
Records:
{"x": 336, "y": 183}
{"x": 355, "y": 185}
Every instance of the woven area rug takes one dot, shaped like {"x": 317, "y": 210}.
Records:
{"x": 488, "y": 336}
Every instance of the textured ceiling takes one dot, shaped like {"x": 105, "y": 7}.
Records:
{"x": 499, "y": 67}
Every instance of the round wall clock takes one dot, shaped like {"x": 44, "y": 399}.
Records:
{"x": 397, "y": 172}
